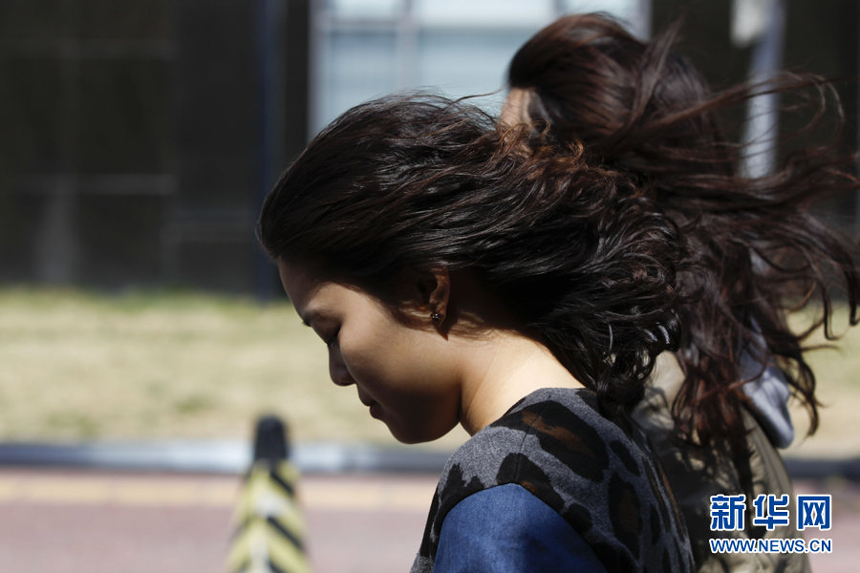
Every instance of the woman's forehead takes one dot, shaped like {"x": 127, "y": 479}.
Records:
{"x": 300, "y": 284}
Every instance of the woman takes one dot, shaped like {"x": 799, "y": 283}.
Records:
{"x": 457, "y": 278}
{"x": 752, "y": 250}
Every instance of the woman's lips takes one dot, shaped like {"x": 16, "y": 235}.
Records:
{"x": 376, "y": 410}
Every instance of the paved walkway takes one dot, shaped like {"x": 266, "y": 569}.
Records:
{"x": 75, "y": 521}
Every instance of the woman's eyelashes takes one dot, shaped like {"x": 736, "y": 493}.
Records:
{"x": 330, "y": 340}
{"x": 327, "y": 333}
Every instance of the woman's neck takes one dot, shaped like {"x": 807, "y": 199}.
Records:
{"x": 503, "y": 368}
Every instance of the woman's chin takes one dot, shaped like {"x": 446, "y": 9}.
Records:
{"x": 376, "y": 411}
{"x": 413, "y": 435}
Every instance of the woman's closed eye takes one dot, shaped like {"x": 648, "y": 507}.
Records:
{"x": 330, "y": 340}
{"x": 328, "y": 334}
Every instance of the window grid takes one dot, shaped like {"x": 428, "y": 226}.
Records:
{"x": 418, "y": 32}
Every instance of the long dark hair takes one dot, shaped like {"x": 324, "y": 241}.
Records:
{"x": 753, "y": 250}
{"x": 410, "y": 184}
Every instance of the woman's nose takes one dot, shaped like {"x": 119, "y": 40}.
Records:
{"x": 337, "y": 369}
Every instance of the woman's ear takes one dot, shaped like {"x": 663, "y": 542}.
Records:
{"x": 435, "y": 292}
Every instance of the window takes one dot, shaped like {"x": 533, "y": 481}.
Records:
{"x": 367, "y": 48}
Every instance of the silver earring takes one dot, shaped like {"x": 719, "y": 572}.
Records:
{"x": 436, "y": 317}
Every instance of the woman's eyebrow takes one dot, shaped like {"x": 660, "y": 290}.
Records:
{"x": 308, "y": 317}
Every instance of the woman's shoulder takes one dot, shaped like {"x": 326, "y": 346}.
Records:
{"x": 546, "y": 427}
{"x": 557, "y": 445}
{"x": 554, "y": 425}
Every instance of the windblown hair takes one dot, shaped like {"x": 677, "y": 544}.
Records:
{"x": 753, "y": 252}
{"x": 584, "y": 262}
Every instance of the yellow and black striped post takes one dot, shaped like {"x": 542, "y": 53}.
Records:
{"x": 270, "y": 528}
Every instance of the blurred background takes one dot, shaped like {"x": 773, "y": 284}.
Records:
{"x": 137, "y": 136}
{"x": 137, "y": 140}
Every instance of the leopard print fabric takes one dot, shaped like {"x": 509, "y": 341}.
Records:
{"x": 556, "y": 444}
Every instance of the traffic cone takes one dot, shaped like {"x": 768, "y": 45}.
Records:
{"x": 270, "y": 529}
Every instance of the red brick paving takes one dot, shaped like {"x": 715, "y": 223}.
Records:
{"x": 355, "y": 524}
{"x": 845, "y": 532}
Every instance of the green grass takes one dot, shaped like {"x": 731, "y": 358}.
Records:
{"x": 837, "y": 373}
{"x": 77, "y": 365}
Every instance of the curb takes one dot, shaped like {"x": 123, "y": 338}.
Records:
{"x": 235, "y": 457}
{"x": 822, "y": 468}
{"x": 219, "y": 457}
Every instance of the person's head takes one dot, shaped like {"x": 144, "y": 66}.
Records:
{"x": 586, "y": 78}
{"x": 639, "y": 108}
{"x": 425, "y": 210}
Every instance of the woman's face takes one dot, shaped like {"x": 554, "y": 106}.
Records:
{"x": 404, "y": 373}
